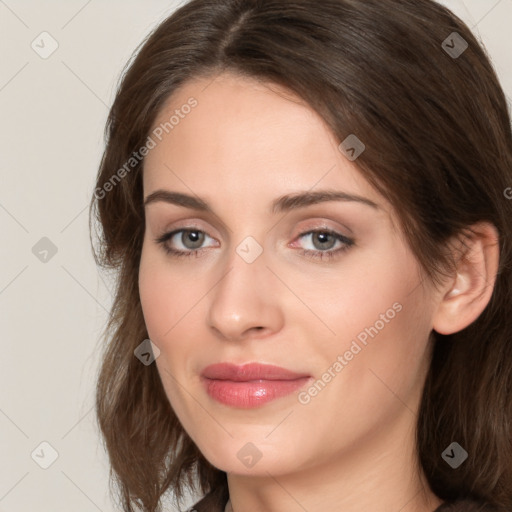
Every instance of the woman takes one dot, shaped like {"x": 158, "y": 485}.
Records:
{"x": 306, "y": 206}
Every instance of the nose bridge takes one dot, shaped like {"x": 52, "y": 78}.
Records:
{"x": 243, "y": 298}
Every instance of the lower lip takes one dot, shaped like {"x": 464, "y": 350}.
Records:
{"x": 251, "y": 394}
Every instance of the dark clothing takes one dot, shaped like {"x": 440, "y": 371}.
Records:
{"x": 466, "y": 506}
{"x": 213, "y": 502}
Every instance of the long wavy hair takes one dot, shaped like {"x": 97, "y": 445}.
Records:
{"x": 437, "y": 131}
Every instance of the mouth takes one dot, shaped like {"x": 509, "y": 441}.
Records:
{"x": 251, "y": 385}
{"x": 248, "y": 372}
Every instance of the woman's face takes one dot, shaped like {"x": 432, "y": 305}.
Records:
{"x": 351, "y": 315}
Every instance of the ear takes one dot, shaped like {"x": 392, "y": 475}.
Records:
{"x": 466, "y": 295}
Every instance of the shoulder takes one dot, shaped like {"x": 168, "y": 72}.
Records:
{"x": 467, "y": 505}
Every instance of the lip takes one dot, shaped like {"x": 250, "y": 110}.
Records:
{"x": 250, "y": 385}
{"x": 248, "y": 372}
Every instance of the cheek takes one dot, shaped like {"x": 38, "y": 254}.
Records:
{"x": 379, "y": 316}
{"x": 383, "y": 363}
{"x": 157, "y": 295}
{"x": 365, "y": 286}
{"x": 169, "y": 296}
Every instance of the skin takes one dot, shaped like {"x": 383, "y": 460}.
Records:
{"x": 351, "y": 447}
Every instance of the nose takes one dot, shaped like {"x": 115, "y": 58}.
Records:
{"x": 245, "y": 301}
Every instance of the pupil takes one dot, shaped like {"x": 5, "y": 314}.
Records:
{"x": 323, "y": 237}
{"x": 193, "y": 236}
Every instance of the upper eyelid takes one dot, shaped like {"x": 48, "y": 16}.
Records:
{"x": 194, "y": 224}
{"x": 315, "y": 210}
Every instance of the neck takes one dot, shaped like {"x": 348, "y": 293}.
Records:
{"x": 382, "y": 474}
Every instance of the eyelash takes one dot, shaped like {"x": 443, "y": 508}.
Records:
{"x": 312, "y": 254}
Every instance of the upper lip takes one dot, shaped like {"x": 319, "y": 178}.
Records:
{"x": 248, "y": 372}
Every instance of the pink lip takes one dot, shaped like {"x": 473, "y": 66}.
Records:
{"x": 247, "y": 372}
{"x": 250, "y": 385}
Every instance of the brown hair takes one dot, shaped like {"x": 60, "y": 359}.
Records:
{"x": 438, "y": 146}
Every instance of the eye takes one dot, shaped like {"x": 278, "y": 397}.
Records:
{"x": 192, "y": 239}
{"x": 325, "y": 240}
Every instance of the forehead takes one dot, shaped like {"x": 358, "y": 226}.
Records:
{"x": 255, "y": 138}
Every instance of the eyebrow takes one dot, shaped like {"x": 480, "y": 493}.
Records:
{"x": 284, "y": 203}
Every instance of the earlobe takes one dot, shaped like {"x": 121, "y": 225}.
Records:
{"x": 465, "y": 296}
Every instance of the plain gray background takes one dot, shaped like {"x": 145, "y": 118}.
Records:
{"x": 51, "y": 136}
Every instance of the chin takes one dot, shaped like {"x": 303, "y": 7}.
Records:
{"x": 246, "y": 457}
